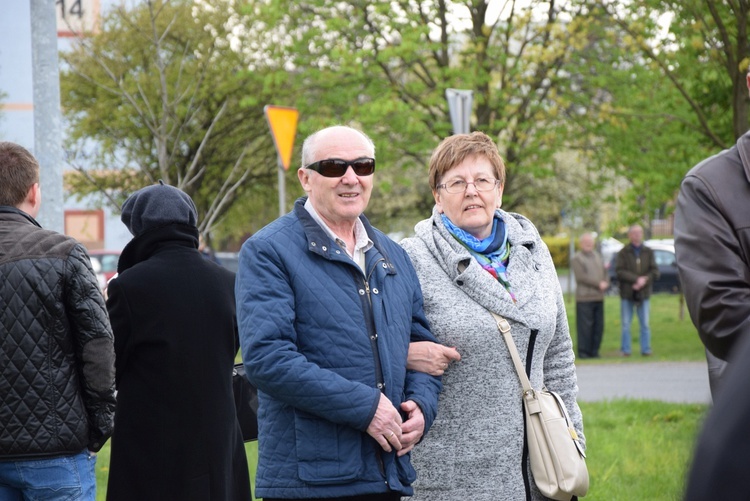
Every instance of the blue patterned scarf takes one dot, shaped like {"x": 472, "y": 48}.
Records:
{"x": 491, "y": 253}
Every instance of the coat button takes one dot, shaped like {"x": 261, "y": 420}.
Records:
{"x": 361, "y": 292}
{"x": 375, "y": 290}
{"x": 459, "y": 282}
{"x": 324, "y": 248}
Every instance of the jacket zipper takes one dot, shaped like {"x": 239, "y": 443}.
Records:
{"x": 373, "y": 334}
{"x": 525, "y": 454}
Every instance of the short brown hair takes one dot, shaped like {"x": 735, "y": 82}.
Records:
{"x": 19, "y": 170}
{"x": 455, "y": 149}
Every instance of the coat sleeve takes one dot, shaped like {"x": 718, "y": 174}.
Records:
{"x": 92, "y": 334}
{"x": 714, "y": 276}
{"x": 266, "y": 318}
{"x": 559, "y": 366}
{"x": 653, "y": 269}
{"x": 420, "y": 387}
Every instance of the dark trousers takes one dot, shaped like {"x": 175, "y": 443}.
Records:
{"x": 590, "y": 327}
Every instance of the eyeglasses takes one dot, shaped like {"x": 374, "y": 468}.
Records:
{"x": 336, "y": 167}
{"x": 459, "y": 185}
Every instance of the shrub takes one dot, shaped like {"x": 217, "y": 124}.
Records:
{"x": 559, "y": 247}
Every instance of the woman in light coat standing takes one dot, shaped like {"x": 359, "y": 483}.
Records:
{"x": 472, "y": 258}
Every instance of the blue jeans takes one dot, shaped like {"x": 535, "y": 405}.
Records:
{"x": 54, "y": 479}
{"x": 626, "y": 317}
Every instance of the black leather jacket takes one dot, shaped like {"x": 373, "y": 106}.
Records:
{"x": 56, "y": 354}
{"x": 712, "y": 244}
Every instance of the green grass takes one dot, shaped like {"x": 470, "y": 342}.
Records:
{"x": 673, "y": 336}
{"x": 639, "y": 449}
{"x": 636, "y": 449}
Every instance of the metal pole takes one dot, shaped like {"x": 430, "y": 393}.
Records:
{"x": 47, "y": 117}
{"x": 571, "y": 251}
{"x": 282, "y": 191}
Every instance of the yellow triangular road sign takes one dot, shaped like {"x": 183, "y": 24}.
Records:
{"x": 283, "y": 123}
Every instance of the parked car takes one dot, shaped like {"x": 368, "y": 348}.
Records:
{"x": 669, "y": 279}
{"x": 104, "y": 263}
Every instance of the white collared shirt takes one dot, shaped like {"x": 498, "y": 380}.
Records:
{"x": 362, "y": 242}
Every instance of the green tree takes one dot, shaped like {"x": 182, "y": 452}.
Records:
{"x": 387, "y": 65}
{"x": 662, "y": 86}
{"x": 163, "y": 91}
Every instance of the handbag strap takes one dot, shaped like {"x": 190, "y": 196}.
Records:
{"x": 504, "y": 328}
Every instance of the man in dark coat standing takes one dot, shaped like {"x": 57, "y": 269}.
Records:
{"x": 636, "y": 273}
{"x": 173, "y": 316}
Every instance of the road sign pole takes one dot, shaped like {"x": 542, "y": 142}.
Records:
{"x": 283, "y": 123}
{"x": 459, "y": 107}
{"x": 47, "y": 115}
{"x": 282, "y": 190}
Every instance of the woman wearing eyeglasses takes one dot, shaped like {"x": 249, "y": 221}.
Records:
{"x": 472, "y": 258}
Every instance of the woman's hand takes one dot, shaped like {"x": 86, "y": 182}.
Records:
{"x": 429, "y": 357}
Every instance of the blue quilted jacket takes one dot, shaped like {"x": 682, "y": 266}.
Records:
{"x": 317, "y": 335}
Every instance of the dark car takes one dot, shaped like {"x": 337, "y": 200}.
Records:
{"x": 668, "y": 281}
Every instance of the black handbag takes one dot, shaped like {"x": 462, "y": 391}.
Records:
{"x": 246, "y": 402}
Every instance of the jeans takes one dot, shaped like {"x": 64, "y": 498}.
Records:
{"x": 59, "y": 478}
{"x": 626, "y": 317}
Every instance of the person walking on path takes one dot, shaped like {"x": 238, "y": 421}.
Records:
{"x": 57, "y": 377}
{"x": 591, "y": 284}
{"x": 327, "y": 306}
{"x": 636, "y": 272}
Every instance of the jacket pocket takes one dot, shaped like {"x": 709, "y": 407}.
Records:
{"x": 327, "y": 453}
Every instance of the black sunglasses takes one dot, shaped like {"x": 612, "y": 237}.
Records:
{"x": 336, "y": 167}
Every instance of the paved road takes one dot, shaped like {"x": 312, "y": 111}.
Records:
{"x": 679, "y": 382}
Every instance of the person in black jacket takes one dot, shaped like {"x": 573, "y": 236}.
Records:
{"x": 637, "y": 271}
{"x": 57, "y": 396}
{"x": 173, "y": 315}
{"x": 712, "y": 243}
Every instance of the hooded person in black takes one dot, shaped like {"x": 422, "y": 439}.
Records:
{"x": 173, "y": 316}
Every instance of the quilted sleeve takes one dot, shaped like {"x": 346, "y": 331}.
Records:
{"x": 420, "y": 387}
{"x": 266, "y": 319}
{"x": 92, "y": 335}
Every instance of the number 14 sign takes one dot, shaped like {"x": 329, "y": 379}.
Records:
{"x": 76, "y": 17}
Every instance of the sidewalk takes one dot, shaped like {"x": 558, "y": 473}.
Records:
{"x": 678, "y": 382}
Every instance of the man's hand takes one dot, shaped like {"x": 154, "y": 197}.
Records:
{"x": 603, "y": 285}
{"x": 385, "y": 426}
{"x": 431, "y": 358}
{"x": 413, "y": 428}
{"x": 640, "y": 283}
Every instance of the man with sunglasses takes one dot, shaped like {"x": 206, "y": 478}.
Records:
{"x": 327, "y": 306}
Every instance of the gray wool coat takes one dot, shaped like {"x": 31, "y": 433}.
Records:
{"x": 475, "y": 448}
